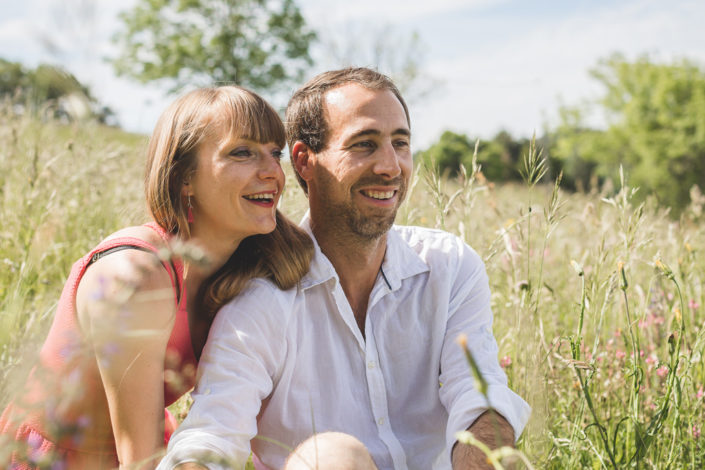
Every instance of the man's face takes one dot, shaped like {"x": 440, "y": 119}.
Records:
{"x": 361, "y": 177}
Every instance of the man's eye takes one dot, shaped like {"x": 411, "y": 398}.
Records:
{"x": 365, "y": 144}
{"x": 401, "y": 143}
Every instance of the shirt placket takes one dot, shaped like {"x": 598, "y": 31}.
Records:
{"x": 376, "y": 384}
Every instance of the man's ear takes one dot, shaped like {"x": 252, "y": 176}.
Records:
{"x": 303, "y": 159}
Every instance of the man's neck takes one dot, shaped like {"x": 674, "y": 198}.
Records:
{"x": 357, "y": 261}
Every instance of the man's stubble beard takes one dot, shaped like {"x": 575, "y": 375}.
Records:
{"x": 347, "y": 219}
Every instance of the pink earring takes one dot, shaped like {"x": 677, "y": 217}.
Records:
{"x": 189, "y": 214}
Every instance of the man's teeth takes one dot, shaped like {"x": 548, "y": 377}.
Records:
{"x": 379, "y": 194}
{"x": 264, "y": 197}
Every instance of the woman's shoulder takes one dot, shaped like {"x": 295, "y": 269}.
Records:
{"x": 140, "y": 267}
{"x": 123, "y": 276}
{"x": 149, "y": 233}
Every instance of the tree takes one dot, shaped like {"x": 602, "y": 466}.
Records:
{"x": 499, "y": 157}
{"x": 397, "y": 54}
{"x": 259, "y": 44}
{"x": 656, "y": 128}
{"x": 451, "y": 151}
{"x": 51, "y": 89}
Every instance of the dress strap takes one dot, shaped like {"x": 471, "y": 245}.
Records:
{"x": 141, "y": 245}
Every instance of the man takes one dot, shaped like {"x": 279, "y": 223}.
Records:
{"x": 363, "y": 354}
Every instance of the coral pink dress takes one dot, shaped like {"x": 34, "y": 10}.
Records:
{"x": 61, "y": 416}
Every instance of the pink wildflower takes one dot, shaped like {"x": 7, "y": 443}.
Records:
{"x": 662, "y": 371}
{"x": 693, "y": 304}
{"x": 696, "y": 432}
{"x": 620, "y": 354}
{"x": 700, "y": 393}
{"x": 505, "y": 362}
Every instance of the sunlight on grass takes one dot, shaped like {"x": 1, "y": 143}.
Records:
{"x": 598, "y": 301}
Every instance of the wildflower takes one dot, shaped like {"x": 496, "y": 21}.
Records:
{"x": 651, "y": 359}
{"x": 696, "y": 432}
{"x": 505, "y": 362}
{"x": 641, "y": 354}
{"x": 693, "y": 304}
{"x": 700, "y": 393}
{"x": 620, "y": 354}
{"x": 662, "y": 371}
{"x": 618, "y": 332}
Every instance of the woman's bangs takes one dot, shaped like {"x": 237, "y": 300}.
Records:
{"x": 252, "y": 118}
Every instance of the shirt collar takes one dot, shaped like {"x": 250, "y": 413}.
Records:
{"x": 321, "y": 269}
{"x": 400, "y": 260}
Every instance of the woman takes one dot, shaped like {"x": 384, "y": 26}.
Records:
{"x": 131, "y": 322}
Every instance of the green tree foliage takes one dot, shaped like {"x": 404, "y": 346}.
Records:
{"x": 49, "y": 88}
{"x": 656, "y": 129}
{"x": 500, "y": 157}
{"x": 256, "y": 43}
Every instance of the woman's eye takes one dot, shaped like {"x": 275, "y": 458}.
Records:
{"x": 241, "y": 152}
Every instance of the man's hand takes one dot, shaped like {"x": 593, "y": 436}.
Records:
{"x": 491, "y": 429}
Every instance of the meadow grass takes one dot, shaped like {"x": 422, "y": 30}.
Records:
{"x": 597, "y": 300}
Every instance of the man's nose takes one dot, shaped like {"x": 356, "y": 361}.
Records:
{"x": 387, "y": 162}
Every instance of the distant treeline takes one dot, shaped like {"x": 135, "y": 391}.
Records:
{"x": 655, "y": 130}
{"x": 50, "y": 90}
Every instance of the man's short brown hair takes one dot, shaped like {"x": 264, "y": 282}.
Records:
{"x": 305, "y": 115}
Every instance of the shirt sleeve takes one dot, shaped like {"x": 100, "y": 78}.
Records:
{"x": 242, "y": 358}
{"x": 470, "y": 314}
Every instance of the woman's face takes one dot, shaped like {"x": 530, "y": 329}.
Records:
{"x": 235, "y": 187}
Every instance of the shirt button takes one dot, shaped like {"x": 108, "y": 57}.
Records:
{"x": 371, "y": 365}
{"x": 380, "y": 421}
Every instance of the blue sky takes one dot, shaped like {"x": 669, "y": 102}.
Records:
{"x": 501, "y": 64}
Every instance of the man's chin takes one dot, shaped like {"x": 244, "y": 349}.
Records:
{"x": 371, "y": 228}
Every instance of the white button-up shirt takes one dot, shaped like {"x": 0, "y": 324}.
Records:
{"x": 280, "y": 366}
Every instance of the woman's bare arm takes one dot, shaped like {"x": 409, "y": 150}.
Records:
{"x": 125, "y": 303}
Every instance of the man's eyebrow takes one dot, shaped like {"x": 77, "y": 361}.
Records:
{"x": 362, "y": 133}
{"x": 365, "y": 132}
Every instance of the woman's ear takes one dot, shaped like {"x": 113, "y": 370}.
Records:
{"x": 303, "y": 159}
{"x": 186, "y": 189}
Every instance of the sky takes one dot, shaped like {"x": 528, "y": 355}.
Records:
{"x": 489, "y": 65}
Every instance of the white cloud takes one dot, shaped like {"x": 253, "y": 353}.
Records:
{"x": 383, "y": 11}
{"x": 518, "y": 83}
{"x": 500, "y": 70}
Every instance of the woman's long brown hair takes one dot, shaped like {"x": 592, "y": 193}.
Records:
{"x": 284, "y": 255}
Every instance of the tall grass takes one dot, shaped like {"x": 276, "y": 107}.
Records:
{"x": 62, "y": 189}
{"x": 597, "y": 300}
